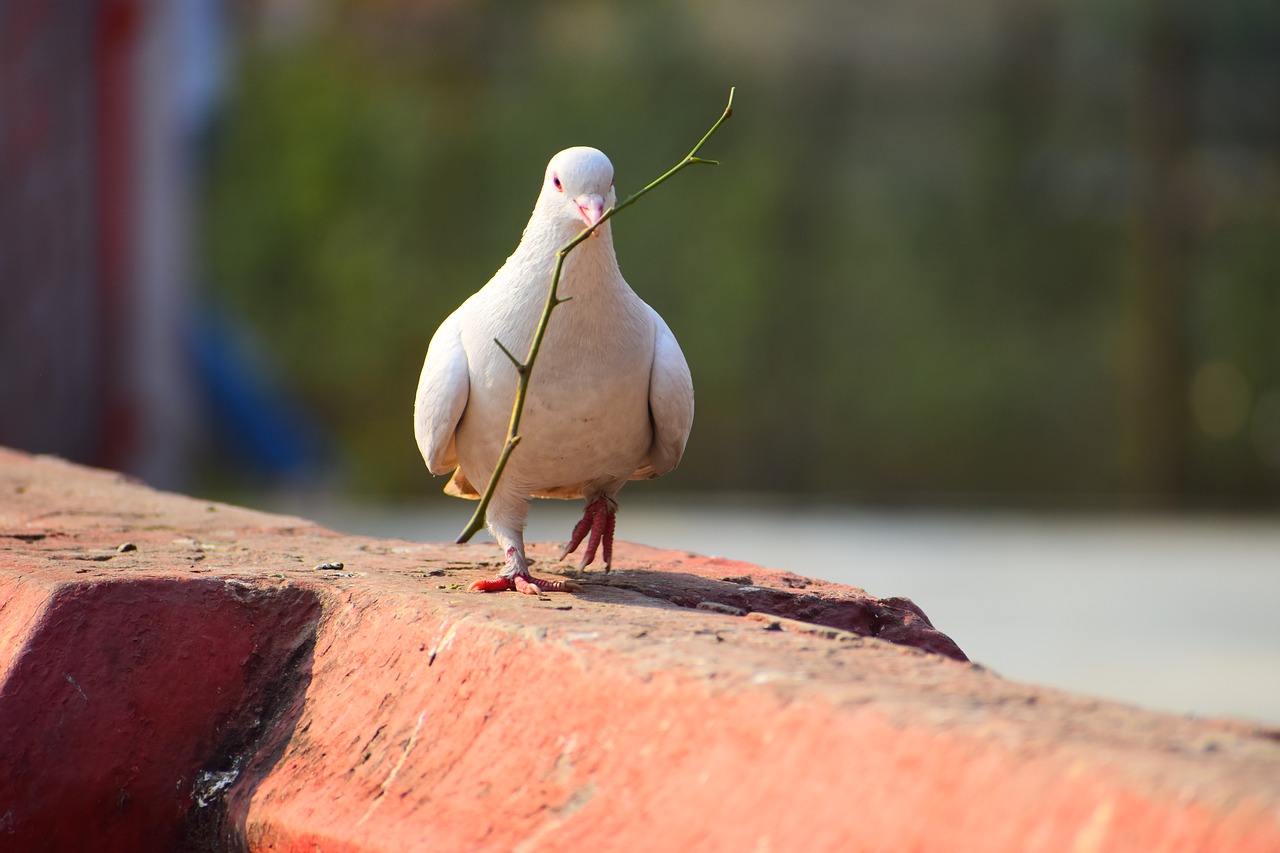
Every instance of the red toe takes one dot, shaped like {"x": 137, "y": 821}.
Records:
{"x": 533, "y": 586}
{"x": 526, "y": 586}
{"x": 498, "y": 584}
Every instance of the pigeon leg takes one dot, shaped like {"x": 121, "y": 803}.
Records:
{"x": 506, "y": 522}
{"x": 512, "y": 578}
{"x": 598, "y": 519}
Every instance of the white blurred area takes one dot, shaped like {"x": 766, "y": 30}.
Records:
{"x": 1172, "y": 613}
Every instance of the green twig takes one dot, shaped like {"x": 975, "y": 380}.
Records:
{"x": 525, "y": 368}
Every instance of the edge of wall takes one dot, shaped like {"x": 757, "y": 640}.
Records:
{"x": 177, "y": 671}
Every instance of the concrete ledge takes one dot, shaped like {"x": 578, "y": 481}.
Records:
{"x": 179, "y": 674}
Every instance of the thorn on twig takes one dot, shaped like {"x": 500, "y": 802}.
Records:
{"x": 520, "y": 365}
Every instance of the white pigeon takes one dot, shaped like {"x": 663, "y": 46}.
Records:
{"x": 610, "y": 398}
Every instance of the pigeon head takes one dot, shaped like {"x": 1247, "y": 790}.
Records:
{"x": 578, "y": 186}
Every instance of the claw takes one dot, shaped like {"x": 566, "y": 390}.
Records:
{"x": 609, "y": 523}
{"x": 528, "y": 585}
{"x": 599, "y": 519}
{"x": 516, "y": 577}
{"x": 533, "y": 586}
{"x": 597, "y": 530}
{"x": 579, "y": 531}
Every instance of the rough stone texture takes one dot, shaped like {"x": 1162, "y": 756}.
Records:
{"x": 224, "y": 684}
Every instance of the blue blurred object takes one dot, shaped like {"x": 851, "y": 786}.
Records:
{"x": 252, "y": 413}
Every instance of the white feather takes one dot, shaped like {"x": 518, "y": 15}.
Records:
{"x": 442, "y": 396}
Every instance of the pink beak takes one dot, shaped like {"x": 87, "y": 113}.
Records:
{"x": 590, "y": 207}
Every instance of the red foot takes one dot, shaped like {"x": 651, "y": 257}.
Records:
{"x": 529, "y": 586}
{"x": 599, "y": 519}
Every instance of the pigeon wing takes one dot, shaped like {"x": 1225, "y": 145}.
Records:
{"x": 670, "y": 403}
{"x": 443, "y": 389}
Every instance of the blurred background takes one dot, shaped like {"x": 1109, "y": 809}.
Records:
{"x": 983, "y": 305}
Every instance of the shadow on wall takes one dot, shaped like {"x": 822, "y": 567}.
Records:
{"x": 124, "y": 688}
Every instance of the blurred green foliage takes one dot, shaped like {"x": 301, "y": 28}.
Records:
{"x": 929, "y": 267}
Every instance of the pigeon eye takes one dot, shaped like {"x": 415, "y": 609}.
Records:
{"x": 555, "y": 179}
